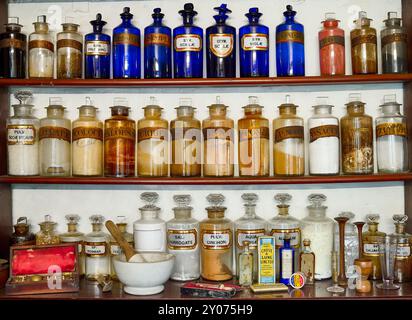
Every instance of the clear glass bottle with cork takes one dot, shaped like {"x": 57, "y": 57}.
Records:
{"x": 253, "y": 153}
{"x": 186, "y": 142}
{"x": 47, "y": 234}
{"x": 87, "y": 146}
{"x": 247, "y": 229}
{"x": 74, "y": 236}
{"x": 245, "y": 263}
{"x": 218, "y": 145}
{"x": 152, "y": 142}
{"x": 23, "y": 138}
{"x": 216, "y": 241}
{"x": 183, "y": 240}
{"x": 41, "y": 50}
{"x": 96, "y": 250}
{"x": 391, "y": 137}
{"x": 115, "y": 249}
{"x": 403, "y": 258}
{"x": 288, "y": 148}
{"x": 55, "y": 141}
{"x": 307, "y": 262}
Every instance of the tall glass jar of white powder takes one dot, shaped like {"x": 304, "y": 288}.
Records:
{"x": 183, "y": 240}
{"x": 319, "y": 230}
{"x": 324, "y": 140}
{"x": 391, "y": 137}
{"x": 22, "y": 138}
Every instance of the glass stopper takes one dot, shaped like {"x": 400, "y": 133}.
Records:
{"x": 149, "y": 197}
{"x": 152, "y": 101}
{"x": 13, "y": 20}
{"x": 96, "y": 219}
{"x": 185, "y": 102}
{"x": 23, "y": 96}
{"x": 330, "y": 16}
{"x": 41, "y": 19}
{"x": 287, "y": 99}
{"x": 218, "y": 100}
{"x": 347, "y": 214}
{"x": 322, "y": 101}
{"x": 121, "y": 220}
{"x": 317, "y": 199}
{"x": 88, "y": 101}
{"x": 250, "y": 199}
{"x": 215, "y": 199}
{"x": 362, "y": 14}
{"x": 372, "y": 218}
{"x": 55, "y": 101}
{"x": 400, "y": 218}
{"x": 253, "y": 100}
{"x": 120, "y": 102}
{"x": 72, "y": 218}
{"x": 283, "y": 199}
{"x": 392, "y": 15}
{"x": 389, "y": 99}
{"x": 354, "y": 97}
{"x": 69, "y": 19}
{"x": 182, "y": 200}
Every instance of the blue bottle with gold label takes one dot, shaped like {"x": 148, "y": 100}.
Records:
{"x": 254, "y": 47}
{"x": 188, "y": 46}
{"x": 126, "y": 48}
{"x": 221, "y": 46}
{"x": 97, "y": 49}
{"x": 157, "y": 48}
{"x": 290, "y": 48}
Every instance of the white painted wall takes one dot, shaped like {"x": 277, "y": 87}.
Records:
{"x": 386, "y": 199}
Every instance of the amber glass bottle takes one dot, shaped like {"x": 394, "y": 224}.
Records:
{"x": 152, "y": 142}
{"x": 371, "y": 240}
{"x": 119, "y": 141}
{"x": 357, "y": 138}
{"x": 288, "y": 148}
{"x": 186, "y": 142}
{"x": 218, "y": 143}
{"x": 253, "y": 152}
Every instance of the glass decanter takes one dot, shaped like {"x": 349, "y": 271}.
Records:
{"x": 403, "y": 258}
{"x": 47, "y": 234}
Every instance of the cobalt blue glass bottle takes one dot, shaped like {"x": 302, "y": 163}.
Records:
{"x": 188, "y": 46}
{"x": 290, "y": 48}
{"x": 286, "y": 257}
{"x": 221, "y": 46}
{"x": 97, "y": 44}
{"x": 254, "y": 47}
{"x": 126, "y": 48}
{"x": 157, "y": 51}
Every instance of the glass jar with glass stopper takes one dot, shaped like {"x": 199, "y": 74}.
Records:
{"x": 391, "y": 137}
{"x": 55, "y": 141}
{"x": 96, "y": 250}
{"x": 350, "y": 240}
{"x": 319, "y": 230}
{"x": 403, "y": 258}
{"x": 247, "y": 229}
{"x": 23, "y": 138}
{"x": 115, "y": 249}
{"x": 74, "y": 236}
{"x": 47, "y": 234}
{"x": 216, "y": 241}
{"x": 182, "y": 240}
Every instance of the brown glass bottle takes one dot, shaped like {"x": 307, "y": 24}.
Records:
{"x": 119, "y": 142}
{"x": 364, "y": 48}
{"x": 218, "y": 142}
{"x": 357, "y": 138}
{"x": 371, "y": 240}
{"x": 152, "y": 142}
{"x": 186, "y": 142}
{"x": 253, "y": 153}
{"x": 307, "y": 262}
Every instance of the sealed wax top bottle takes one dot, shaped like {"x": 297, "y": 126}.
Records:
{"x": 290, "y": 49}
{"x": 157, "y": 50}
{"x": 254, "y": 46}
{"x": 97, "y": 50}
{"x": 221, "y": 46}
{"x": 126, "y": 48}
{"x": 13, "y": 50}
{"x": 188, "y": 46}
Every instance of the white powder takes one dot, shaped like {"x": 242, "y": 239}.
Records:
{"x": 23, "y": 160}
{"x": 391, "y": 153}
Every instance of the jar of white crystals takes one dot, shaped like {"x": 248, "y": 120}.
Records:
{"x": 22, "y": 138}
{"x": 324, "y": 140}
{"x": 182, "y": 241}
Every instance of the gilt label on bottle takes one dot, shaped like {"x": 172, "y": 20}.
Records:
{"x": 325, "y": 131}
{"x": 120, "y": 133}
{"x": 187, "y": 133}
{"x": 279, "y": 235}
{"x": 391, "y": 129}
{"x": 188, "y": 42}
{"x": 368, "y": 38}
{"x": 290, "y": 36}
{"x": 152, "y": 133}
{"x": 217, "y": 133}
{"x": 69, "y": 43}
{"x": 95, "y": 249}
{"x": 97, "y": 48}
{"x": 251, "y": 236}
{"x": 41, "y": 44}
{"x": 403, "y": 251}
{"x": 255, "y": 42}
{"x": 256, "y": 133}
{"x": 216, "y": 239}
{"x": 115, "y": 249}
{"x": 371, "y": 249}
{"x": 13, "y": 43}
{"x": 395, "y": 37}
{"x": 87, "y": 133}
{"x": 55, "y": 133}
{"x": 157, "y": 39}
{"x": 221, "y": 44}
{"x": 181, "y": 239}
{"x": 290, "y": 132}
{"x": 21, "y": 134}
{"x": 327, "y": 41}
{"x": 130, "y": 39}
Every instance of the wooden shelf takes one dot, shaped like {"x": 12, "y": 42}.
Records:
{"x": 208, "y": 181}
{"x": 231, "y": 82}
{"x": 90, "y": 291}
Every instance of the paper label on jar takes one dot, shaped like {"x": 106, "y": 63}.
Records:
{"x": 287, "y": 263}
{"x": 221, "y": 44}
{"x": 120, "y": 133}
{"x": 255, "y": 42}
{"x": 251, "y": 236}
{"x": 279, "y": 235}
{"x": 87, "y": 133}
{"x": 403, "y": 251}
{"x": 188, "y": 42}
{"x": 55, "y": 133}
{"x": 129, "y": 39}
{"x": 290, "y": 36}
{"x": 182, "y": 239}
{"x": 266, "y": 250}
{"x": 325, "y": 131}
{"x": 95, "y": 249}
{"x": 157, "y": 39}
{"x": 289, "y": 132}
{"x": 362, "y": 39}
{"x": 69, "y": 43}
{"x": 115, "y": 250}
{"x": 371, "y": 249}
{"x": 152, "y": 133}
{"x": 255, "y": 133}
{"x": 41, "y": 44}
{"x": 395, "y": 37}
{"x": 21, "y": 134}
{"x": 327, "y": 41}
{"x": 13, "y": 43}
{"x": 217, "y": 133}
{"x": 391, "y": 129}
{"x": 216, "y": 240}
{"x": 97, "y": 48}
